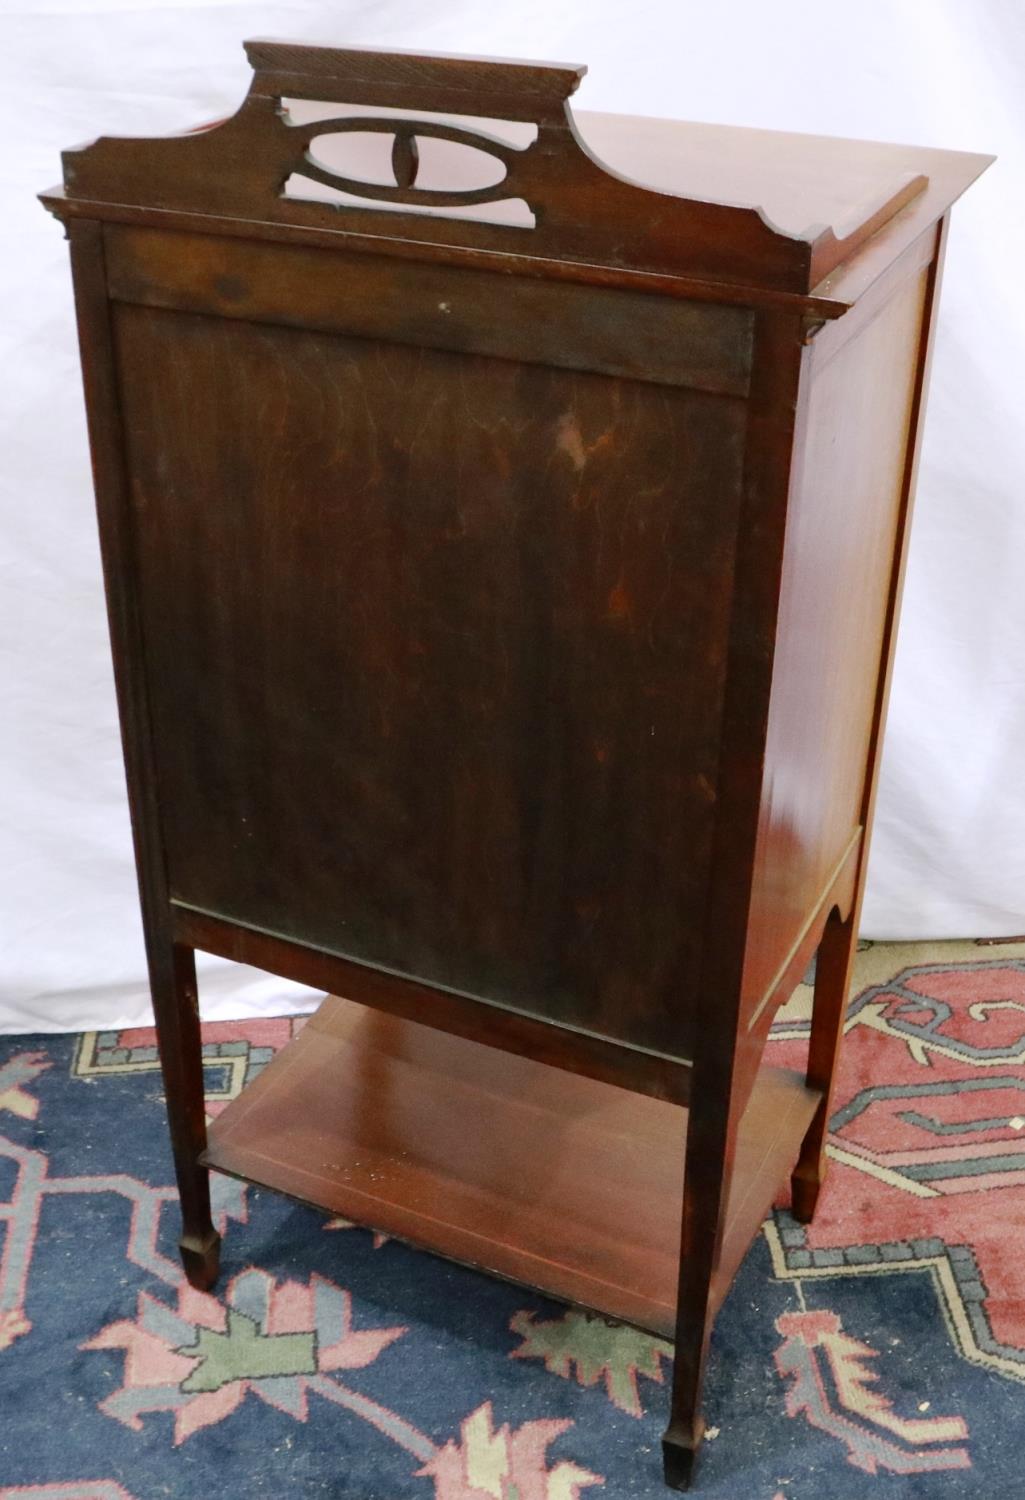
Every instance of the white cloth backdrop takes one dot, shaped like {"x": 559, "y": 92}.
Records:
{"x": 947, "y": 857}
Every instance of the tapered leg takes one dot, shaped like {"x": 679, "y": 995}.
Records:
{"x": 682, "y": 1439}
{"x": 172, "y": 971}
{"x": 832, "y": 984}
{"x": 175, "y": 1004}
{"x": 706, "y": 1187}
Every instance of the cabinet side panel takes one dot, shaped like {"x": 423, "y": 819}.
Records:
{"x": 435, "y": 646}
{"x": 842, "y": 528}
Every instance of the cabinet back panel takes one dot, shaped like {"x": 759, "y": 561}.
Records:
{"x": 435, "y": 646}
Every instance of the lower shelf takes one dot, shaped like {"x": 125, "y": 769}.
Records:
{"x": 537, "y": 1175}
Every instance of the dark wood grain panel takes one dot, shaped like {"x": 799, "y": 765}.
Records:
{"x": 566, "y": 1184}
{"x": 641, "y": 337}
{"x": 436, "y": 647}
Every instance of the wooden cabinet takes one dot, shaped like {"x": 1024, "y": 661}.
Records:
{"x": 503, "y": 562}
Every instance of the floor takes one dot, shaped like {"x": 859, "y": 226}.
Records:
{"x": 881, "y": 1351}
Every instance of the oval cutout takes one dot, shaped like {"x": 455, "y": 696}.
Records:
{"x": 452, "y": 167}
{"x": 443, "y": 166}
{"x": 364, "y": 155}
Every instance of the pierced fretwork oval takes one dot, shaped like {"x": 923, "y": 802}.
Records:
{"x": 429, "y": 162}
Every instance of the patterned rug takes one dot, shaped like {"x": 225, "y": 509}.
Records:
{"x": 879, "y": 1352}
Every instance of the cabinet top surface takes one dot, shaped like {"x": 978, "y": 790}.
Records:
{"x": 463, "y": 157}
{"x": 803, "y": 184}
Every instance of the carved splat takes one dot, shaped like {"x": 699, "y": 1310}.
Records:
{"x": 259, "y": 166}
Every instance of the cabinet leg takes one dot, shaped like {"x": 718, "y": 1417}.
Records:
{"x": 681, "y": 1441}
{"x": 201, "y": 1258}
{"x": 678, "y": 1459}
{"x": 832, "y": 984}
{"x": 705, "y": 1191}
{"x": 176, "y": 1007}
